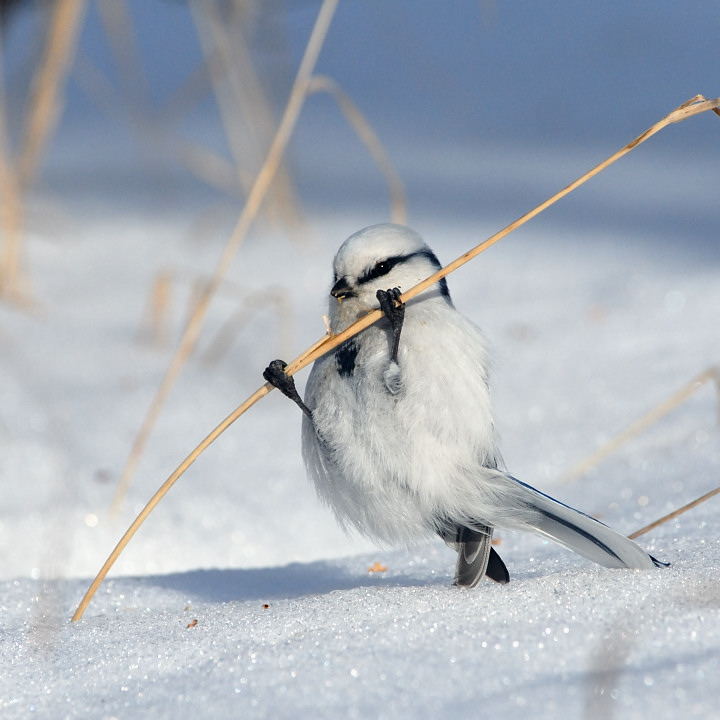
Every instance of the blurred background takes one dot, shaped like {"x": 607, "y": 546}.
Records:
{"x": 160, "y": 103}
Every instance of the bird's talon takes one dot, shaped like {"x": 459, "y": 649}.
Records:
{"x": 391, "y": 305}
{"x": 275, "y": 374}
{"x": 395, "y": 313}
{"x": 395, "y": 294}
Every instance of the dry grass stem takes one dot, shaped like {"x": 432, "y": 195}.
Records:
{"x": 123, "y": 43}
{"x": 48, "y": 84}
{"x": 211, "y": 168}
{"x": 643, "y": 423}
{"x": 154, "y": 326}
{"x": 250, "y": 211}
{"x": 694, "y": 106}
{"x": 244, "y": 108}
{"x": 152, "y": 125}
{"x": 140, "y": 519}
{"x": 248, "y": 308}
{"x": 363, "y": 129}
{"x": 43, "y": 109}
{"x": 675, "y": 513}
{"x": 11, "y": 211}
{"x": 328, "y": 342}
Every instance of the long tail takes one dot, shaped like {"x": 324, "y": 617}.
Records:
{"x": 583, "y": 534}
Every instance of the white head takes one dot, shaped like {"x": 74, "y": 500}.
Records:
{"x": 378, "y": 258}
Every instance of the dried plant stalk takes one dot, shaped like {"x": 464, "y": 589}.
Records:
{"x": 118, "y": 24}
{"x": 155, "y": 325}
{"x": 208, "y": 166}
{"x": 363, "y": 129}
{"x": 11, "y": 211}
{"x": 136, "y": 103}
{"x": 250, "y": 210}
{"x": 694, "y": 106}
{"x": 47, "y": 86}
{"x": 643, "y": 423}
{"x": 244, "y": 108}
{"x": 675, "y": 513}
{"x": 44, "y": 105}
{"x": 247, "y": 309}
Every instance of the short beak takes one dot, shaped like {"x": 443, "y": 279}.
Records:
{"x": 341, "y": 289}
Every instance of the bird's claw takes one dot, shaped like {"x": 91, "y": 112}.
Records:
{"x": 275, "y": 374}
{"x": 392, "y": 306}
{"x": 394, "y": 310}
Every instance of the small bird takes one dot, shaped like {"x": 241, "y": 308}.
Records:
{"x": 398, "y": 431}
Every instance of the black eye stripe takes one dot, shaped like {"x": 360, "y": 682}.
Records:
{"x": 383, "y": 267}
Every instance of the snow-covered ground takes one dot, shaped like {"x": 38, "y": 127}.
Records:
{"x": 240, "y": 597}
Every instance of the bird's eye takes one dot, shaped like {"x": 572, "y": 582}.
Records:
{"x": 380, "y": 269}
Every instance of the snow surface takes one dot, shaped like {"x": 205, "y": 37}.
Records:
{"x": 240, "y": 597}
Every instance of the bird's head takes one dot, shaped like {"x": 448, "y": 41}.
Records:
{"x": 378, "y": 258}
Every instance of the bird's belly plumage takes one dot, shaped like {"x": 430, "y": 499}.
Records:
{"x": 396, "y": 466}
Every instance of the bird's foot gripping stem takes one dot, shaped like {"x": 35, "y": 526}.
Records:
{"x": 275, "y": 374}
{"x": 394, "y": 310}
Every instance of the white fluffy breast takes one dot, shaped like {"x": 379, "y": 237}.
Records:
{"x": 393, "y": 464}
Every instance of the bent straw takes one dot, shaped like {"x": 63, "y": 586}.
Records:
{"x": 694, "y": 106}
{"x": 155, "y": 499}
{"x": 641, "y": 424}
{"x": 252, "y": 206}
{"x": 364, "y": 131}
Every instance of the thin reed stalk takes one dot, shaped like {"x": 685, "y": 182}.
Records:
{"x": 363, "y": 129}
{"x": 643, "y": 423}
{"x": 43, "y": 109}
{"x": 675, "y": 513}
{"x": 244, "y": 109}
{"x": 694, "y": 106}
{"x": 48, "y": 84}
{"x": 122, "y": 39}
{"x": 11, "y": 210}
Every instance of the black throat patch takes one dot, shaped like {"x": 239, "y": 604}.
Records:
{"x": 345, "y": 357}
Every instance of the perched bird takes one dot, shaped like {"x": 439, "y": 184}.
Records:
{"x": 398, "y": 432}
